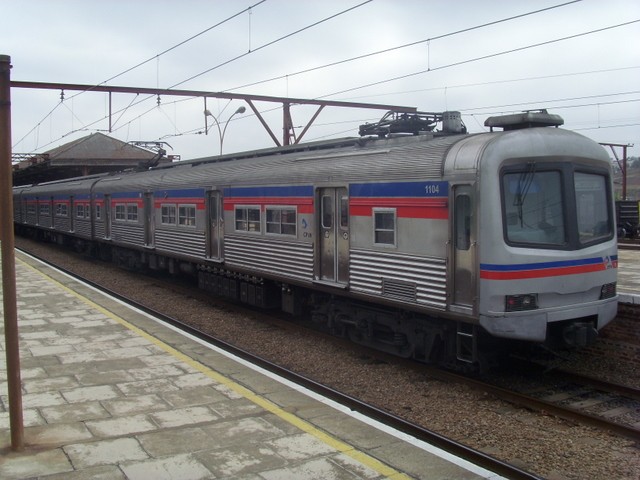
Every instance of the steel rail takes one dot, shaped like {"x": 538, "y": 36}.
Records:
{"x": 629, "y": 392}
{"x": 545, "y": 406}
{"x": 455, "y": 448}
{"x": 628, "y": 246}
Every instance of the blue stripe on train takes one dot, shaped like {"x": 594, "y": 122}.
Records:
{"x": 543, "y": 265}
{"x": 400, "y": 189}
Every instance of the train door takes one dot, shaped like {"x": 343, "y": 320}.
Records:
{"x": 464, "y": 271}
{"x": 72, "y": 214}
{"x": 107, "y": 216}
{"x": 214, "y": 225}
{"x": 333, "y": 229}
{"x": 149, "y": 220}
{"x": 23, "y": 208}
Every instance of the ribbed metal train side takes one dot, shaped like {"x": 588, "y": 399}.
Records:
{"x": 293, "y": 260}
{"x": 408, "y": 279}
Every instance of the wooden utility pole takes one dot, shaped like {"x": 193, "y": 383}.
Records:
{"x": 9, "y": 261}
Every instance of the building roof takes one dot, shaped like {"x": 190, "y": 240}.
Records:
{"x": 97, "y": 148}
{"x": 95, "y": 153}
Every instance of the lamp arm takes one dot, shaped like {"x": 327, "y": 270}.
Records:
{"x": 225, "y": 129}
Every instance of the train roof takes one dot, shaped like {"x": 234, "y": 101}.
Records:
{"x": 405, "y": 158}
{"x": 349, "y": 160}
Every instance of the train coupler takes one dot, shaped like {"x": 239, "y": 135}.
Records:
{"x": 579, "y": 334}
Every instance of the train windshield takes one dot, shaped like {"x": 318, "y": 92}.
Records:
{"x": 594, "y": 222}
{"x": 534, "y": 207}
{"x": 556, "y": 208}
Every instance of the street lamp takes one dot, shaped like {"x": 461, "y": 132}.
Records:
{"x": 222, "y": 131}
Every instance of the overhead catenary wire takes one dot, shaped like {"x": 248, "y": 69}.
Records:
{"x": 294, "y": 33}
{"x": 482, "y": 57}
{"x": 437, "y": 37}
{"x": 301, "y": 30}
{"x": 273, "y": 42}
{"x": 566, "y": 99}
{"x": 144, "y": 62}
{"x": 217, "y": 66}
{"x": 399, "y": 47}
{"x": 179, "y": 44}
{"x": 496, "y": 82}
{"x": 431, "y": 69}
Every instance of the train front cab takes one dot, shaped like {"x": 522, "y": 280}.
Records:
{"x": 547, "y": 255}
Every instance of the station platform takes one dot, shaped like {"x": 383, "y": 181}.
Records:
{"x": 629, "y": 276}
{"x": 111, "y": 393}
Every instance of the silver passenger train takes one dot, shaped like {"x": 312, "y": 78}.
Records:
{"x": 433, "y": 245}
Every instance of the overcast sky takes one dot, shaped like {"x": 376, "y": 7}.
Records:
{"x": 476, "y": 60}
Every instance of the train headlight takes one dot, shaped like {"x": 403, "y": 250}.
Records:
{"x": 518, "y": 303}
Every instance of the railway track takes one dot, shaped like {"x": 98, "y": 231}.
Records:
{"x": 576, "y": 398}
{"x": 629, "y": 244}
{"x": 474, "y": 456}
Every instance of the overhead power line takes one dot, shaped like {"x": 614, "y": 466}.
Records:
{"x": 268, "y": 44}
{"x": 567, "y": 99}
{"x": 144, "y": 62}
{"x": 399, "y": 47}
{"x": 179, "y": 44}
{"x": 483, "y": 57}
{"x": 496, "y": 82}
{"x": 624, "y": 125}
{"x": 395, "y": 78}
{"x": 208, "y": 70}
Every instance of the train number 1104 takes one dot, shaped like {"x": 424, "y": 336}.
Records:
{"x": 432, "y": 189}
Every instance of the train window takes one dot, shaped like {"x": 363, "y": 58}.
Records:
{"x": 168, "y": 214}
{"x": 534, "y": 207}
{"x": 62, "y": 209}
{"x": 281, "y": 220}
{"x": 121, "y": 211}
{"x": 80, "y": 210}
{"x": 44, "y": 210}
{"x": 187, "y": 215}
{"x": 254, "y": 219}
{"x": 594, "y": 222}
{"x": 344, "y": 212}
{"x": 31, "y": 208}
{"x": 132, "y": 212}
{"x": 248, "y": 219}
{"x": 98, "y": 210}
{"x": 327, "y": 211}
{"x": 462, "y": 225}
{"x": 384, "y": 226}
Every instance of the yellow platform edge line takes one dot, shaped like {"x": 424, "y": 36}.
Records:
{"x": 343, "y": 447}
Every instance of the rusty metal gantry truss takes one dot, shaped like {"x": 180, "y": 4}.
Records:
{"x": 289, "y": 136}
{"x": 621, "y": 164}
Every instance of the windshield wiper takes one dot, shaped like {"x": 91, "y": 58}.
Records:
{"x": 524, "y": 184}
